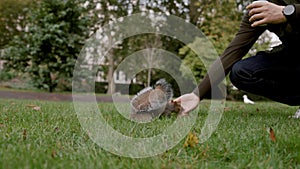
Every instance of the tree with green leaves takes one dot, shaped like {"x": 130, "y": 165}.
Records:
{"x": 48, "y": 50}
{"x": 208, "y": 15}
{"x": 12, "y": 19}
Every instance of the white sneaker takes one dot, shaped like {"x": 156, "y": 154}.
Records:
{"x": 297, "y": 114}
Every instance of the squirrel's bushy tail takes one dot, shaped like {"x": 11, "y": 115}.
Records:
{"x": 163, "y": 85}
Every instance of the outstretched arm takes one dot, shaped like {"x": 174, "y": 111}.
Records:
{"x": 237, "y": 49}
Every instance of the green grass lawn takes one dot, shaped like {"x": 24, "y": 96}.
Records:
{"x": 51, "y": 137}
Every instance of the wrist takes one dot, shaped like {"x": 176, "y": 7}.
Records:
{"x": 289, "y": 12}
{"x": 284, "y": 19}
{"x": 196, "y": 91}
{"x": 195, "y": 96}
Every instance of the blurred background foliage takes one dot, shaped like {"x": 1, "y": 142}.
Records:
{"x": 40, "y": 40}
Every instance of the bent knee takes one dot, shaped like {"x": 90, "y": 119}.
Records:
{"x": 237, "y": 72}
{"x": 240, "y": 74}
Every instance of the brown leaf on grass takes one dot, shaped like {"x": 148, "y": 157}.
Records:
{"x": 272, "y": 135}
{"x": 53, "y": 154}
{"x": 37, "y": 108}
{"x": 24, "y": 134}
{"x": 56, "y": 129}
{"x": 2, "y": 125}
{"x": 191, "y": 141}
{"x": 226, "y": 108}
{"x": 34, "y": 107}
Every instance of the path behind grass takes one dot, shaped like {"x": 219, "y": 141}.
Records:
{"x": 38, "y": 134}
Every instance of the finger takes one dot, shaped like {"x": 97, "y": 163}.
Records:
{"x": 256, "y": 4}
{"x": 186, "y": 109}
{"x": 255, "y": 11}
{"x": 177, "y": 100}
{"x": 258, "y": 23}
{"x": 257, "y": 17}
{"x": 183, "y": 112}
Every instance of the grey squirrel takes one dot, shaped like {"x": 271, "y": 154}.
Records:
{"x": 154, "y": 102}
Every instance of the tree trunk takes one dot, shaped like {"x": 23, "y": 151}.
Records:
{"x": 49, "y": 82}
{"x": 110, "y": 76}
{"x": 149, "y": 76}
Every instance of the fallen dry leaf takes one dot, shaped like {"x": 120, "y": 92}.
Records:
{"x": 272, "y": 135}
{"x": 226, "y": 108}
{"x": 56, "y": 129}
{"x": 34, "y": 107}
{"x": 53, "y": 154}
{"x": 24, "y": 134}
{"x": 191, "y": 141}
{"x": 37, "y": 108}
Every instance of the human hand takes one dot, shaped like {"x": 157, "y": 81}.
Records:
{"x": 264, "y": 12}
{"x": 188, "y": 103}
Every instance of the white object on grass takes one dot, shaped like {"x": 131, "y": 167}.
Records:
{"x": 247, "y": 101}
{"x": 296, "y": 115}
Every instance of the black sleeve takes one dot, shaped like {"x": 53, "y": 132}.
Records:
{"x": 237, "y": 49}
{"x": 295, "y": 19}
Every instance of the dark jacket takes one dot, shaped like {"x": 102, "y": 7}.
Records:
{"x": 288, "y": 33}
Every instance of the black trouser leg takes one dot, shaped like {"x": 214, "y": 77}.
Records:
{"x": 275, "y": 76}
